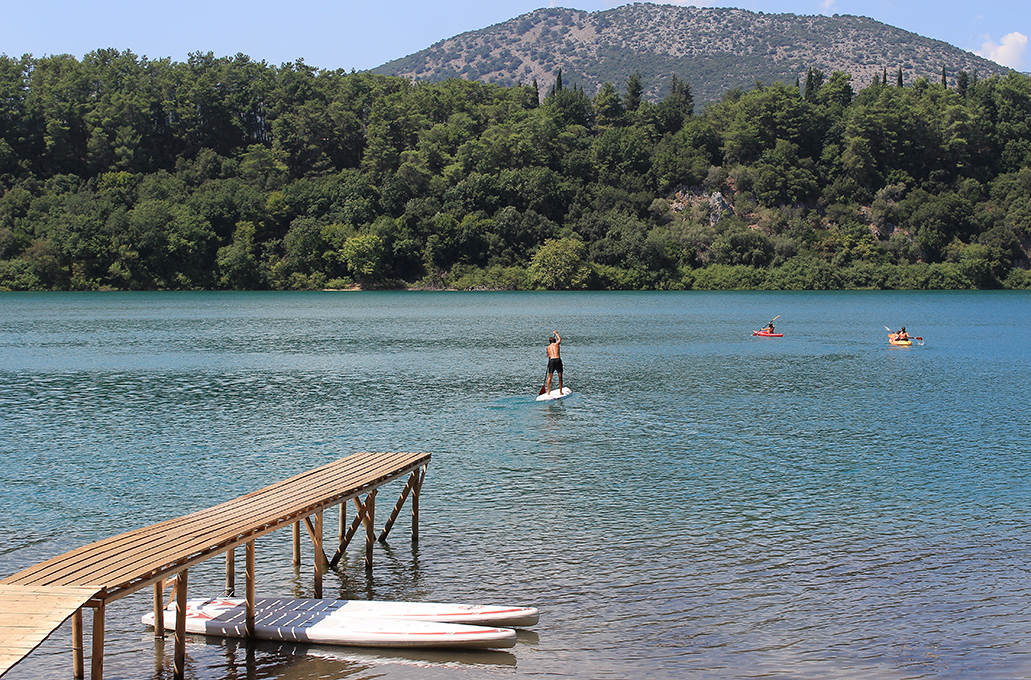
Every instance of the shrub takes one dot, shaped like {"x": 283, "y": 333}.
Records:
{"x": 728, "y": 277}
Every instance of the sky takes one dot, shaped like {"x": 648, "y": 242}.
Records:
{"x": 360, "y": 35}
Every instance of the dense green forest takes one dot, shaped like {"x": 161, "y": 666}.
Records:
{"x": 119, "y": 172}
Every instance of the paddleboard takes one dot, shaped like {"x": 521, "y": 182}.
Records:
{"x": 349, "y": 622}
{"x": 555, "y": 394}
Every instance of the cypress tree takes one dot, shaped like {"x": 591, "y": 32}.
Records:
{"x": 813, "y": 83}
{"x": 899, "y": 81}
{"x": 962, "y": 83}
{"x": 634, "y": 92}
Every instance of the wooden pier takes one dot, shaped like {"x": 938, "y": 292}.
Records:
{"x": 38, "y": 600}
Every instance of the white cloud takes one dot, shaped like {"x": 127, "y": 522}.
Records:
{"x": 828, "y": 5}
{"x": 1009, "y": 53}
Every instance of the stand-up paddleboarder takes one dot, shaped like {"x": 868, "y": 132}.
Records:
{"x": 554, "y": 362}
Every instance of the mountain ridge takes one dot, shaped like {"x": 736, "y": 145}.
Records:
{"x": 713, "y": 49}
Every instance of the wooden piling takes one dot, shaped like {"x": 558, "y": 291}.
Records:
{"x": 97, "y": 655}
{"x": 159, "y": 609}
{"x": 77, "y": 667}
{"x": 250, "y": 598}
{"x": 297, "y": 542}
{"x": 415, "y": 504}
{"x": 179, "y": 658}
{"x": 370, "y": 528}
{"x": 231, "y": 572}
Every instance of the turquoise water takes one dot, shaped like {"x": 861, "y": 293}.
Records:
{"x": 707, "y": 505}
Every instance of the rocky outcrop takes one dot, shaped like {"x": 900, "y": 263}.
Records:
{"x": 717, "y": 207}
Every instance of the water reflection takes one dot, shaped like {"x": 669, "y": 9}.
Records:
{"x": 232, "y": 659}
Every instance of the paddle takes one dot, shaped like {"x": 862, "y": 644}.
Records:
{"x": 543, "y": 387}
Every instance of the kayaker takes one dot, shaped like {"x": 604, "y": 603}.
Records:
{"x": 768, "y": 328}
{"x": 902, "y": 334}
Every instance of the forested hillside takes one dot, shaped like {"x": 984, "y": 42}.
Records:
{"x": 118, "y": 172}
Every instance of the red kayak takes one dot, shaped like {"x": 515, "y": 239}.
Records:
{"x": 767, "y": 334}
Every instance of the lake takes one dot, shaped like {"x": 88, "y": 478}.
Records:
{"x": 707, "y": 504}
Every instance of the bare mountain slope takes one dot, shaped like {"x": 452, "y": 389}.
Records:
{"x": 713, "y": 49}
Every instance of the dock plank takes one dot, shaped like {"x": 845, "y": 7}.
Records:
{"x": 29, "y": 615}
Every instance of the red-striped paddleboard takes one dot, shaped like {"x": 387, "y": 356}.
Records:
{"x": 357, "y": 622}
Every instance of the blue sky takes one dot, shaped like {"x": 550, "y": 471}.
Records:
{"x": 361, "y": 35}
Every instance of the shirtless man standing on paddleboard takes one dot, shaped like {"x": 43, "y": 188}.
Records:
{"x": 554, "y": 362}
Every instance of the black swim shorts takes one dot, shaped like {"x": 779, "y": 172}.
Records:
{"x": 554, "y": 365}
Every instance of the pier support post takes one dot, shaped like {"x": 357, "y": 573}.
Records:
{"x": 97, "y": 658}
{"x": 159, "y": 609}
{"x": 77, "y": 667}
{"x": 249, "y": 618}
{"x": 321, "y": 561}
{"x": 412, "y": 481}
{"x": 231, "y": 572}
{"x": 317, "y": 541}
{"x": 370, "y": 527}
{"x": 297, "y": 542}
{"x": 179, "y": 657}
{"x": 416, "y": 492}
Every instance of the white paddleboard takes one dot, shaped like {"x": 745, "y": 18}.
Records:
{"x": 555, "y": 394}
{"x": 353, "y": 622}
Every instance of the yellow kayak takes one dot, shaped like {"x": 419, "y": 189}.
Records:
{"x": 899, "y": 343}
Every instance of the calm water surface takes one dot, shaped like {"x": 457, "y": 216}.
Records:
{"x": 707, "y": 505}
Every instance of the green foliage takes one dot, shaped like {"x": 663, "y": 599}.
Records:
{"x": 363, "y": 255}
{"x": 727, "y": 277}
{"x": 560, "y": 264}
{"x": 117, "y": 172}
{"x": 496, "y": 277}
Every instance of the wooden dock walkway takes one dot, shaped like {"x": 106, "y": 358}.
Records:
{"x": 36, "y": 601}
